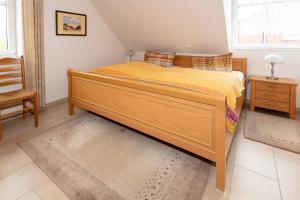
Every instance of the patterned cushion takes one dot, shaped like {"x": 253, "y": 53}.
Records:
{"x": 216, "y": 63}
{"x": 162, "y": 59}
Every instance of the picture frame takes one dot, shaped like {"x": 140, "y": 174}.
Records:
{"x": 70, "y": 24}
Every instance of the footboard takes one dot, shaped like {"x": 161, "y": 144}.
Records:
{"x": 193, "y": 122}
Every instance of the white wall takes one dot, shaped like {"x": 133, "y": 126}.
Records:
{"x": 228, "y": 19}
{"x": 193, "y": 26}
{"x": 290, "y": 69}
{"x": 100, "y": 47}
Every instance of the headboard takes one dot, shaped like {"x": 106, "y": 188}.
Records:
{"x": 238, "y": 64}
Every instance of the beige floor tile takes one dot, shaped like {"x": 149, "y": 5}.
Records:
{"x": 31, "y": 195}
{"x": 286, "y": 155}
{"x": 49, "y": 191}
{"x": 289, "y": 179}
{"x": 47, "y": 118}
{"x": 12, "y": 158}
{"x": 257, "y": 157}
{"x": 22, "y": 181}
{"x": 249, "y": 185}
{"x": 211, "y": 192}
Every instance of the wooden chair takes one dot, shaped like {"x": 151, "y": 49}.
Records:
{"x": 12, "y": 74}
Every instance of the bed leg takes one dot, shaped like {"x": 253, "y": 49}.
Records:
{"x": 220, "y": 175}
{"x": 71, "y": 109}
{"x": 220, "y": 147}
{"x": 70, "y": 104}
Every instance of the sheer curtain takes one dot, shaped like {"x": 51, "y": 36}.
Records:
{"x": 279, "y": 18}
{"x": 34, "y": 47}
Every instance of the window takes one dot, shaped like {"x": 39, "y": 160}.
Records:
{"x": 266, "y": 23}
{"x": 7, "y": 27}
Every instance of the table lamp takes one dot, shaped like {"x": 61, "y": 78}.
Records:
{"x": 273, "y": 59}
{"x": 130, "y": 53}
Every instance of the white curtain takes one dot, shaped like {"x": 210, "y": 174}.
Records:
{"x": 34, "y": 47}
{"x": 270, "y": 17}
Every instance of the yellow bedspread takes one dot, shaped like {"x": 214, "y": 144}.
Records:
{"x": 209, "y": 82}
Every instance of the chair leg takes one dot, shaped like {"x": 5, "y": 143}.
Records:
{"x": 1, "y": 129}
{"x": 24, "y": 107}
{"x": 36, "y": 111}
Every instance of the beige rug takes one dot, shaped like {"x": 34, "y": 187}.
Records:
{"x": 92, "y": 158}
{"x": 273, "y": 130}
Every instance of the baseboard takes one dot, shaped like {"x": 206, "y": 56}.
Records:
{"x": 57, "y": 102}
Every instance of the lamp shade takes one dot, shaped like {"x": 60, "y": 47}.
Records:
{"x": 273, "y": 58}
{"x": 130, "y": 53}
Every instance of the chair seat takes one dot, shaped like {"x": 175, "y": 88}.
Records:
{"x": 15, "y": 96}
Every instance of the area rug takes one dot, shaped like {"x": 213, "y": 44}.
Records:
{"x": 273, "y": 130}
{"x": 93, "y": 158}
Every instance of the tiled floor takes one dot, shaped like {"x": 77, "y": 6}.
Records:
{"x": 255, "y": 170}
{"x": 260, "y": 172}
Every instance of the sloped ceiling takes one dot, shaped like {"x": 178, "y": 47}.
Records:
{"x": 186, "y": 26}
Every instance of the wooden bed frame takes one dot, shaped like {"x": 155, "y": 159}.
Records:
{"x": 192, "y": 121}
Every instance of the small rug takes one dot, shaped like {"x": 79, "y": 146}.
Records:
{"x": 92, "y": 158}
{"x": 273, "y": 130}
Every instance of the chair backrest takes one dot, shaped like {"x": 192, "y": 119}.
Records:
{"x": 12, "y": 72}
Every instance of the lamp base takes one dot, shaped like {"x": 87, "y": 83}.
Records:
{"x": 272, "y": 78}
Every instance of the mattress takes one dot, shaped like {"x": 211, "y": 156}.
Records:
{"x": 239, "y": 74}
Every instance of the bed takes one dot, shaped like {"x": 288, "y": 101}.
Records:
{"x": 192, "y": 121}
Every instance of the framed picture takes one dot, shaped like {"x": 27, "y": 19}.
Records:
{"x": 71, "y": 24}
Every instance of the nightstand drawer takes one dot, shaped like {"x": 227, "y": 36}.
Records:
{"x": 274, "y": 87}
{"x": 273, "y": 105}
{"x": 273, "y": 96}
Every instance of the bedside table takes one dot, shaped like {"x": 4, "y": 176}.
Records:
{"x": 277, "y": 95}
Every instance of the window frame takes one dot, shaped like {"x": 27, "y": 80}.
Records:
{"x": 235, "y": 35}
{"x": 11, "y": 29}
